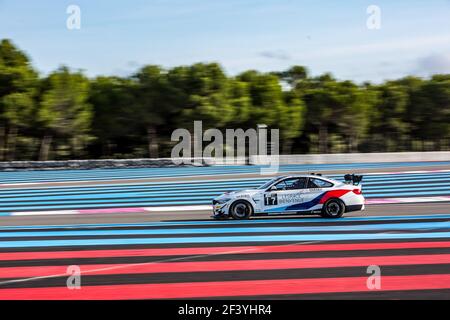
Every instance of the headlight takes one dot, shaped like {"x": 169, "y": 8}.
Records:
{"x": 222, "y": 201}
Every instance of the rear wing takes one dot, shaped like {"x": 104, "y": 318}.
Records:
{"x": 353, "y": 179}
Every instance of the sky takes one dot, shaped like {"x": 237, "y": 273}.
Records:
{"x": 119, "y": 37}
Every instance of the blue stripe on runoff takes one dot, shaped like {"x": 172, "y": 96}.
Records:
{"x": 200, "y": 231}
{"x": 221, "y": 239}
{"x": 228, "y": 222}
{"x": 193, "y": 192}
{"x": 414, "y": 228}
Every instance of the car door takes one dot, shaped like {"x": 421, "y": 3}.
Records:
{"x": 284, "y": 195}
{"x": 316, "y": 187}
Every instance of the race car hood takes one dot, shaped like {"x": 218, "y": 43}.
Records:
{"x": 233, "y": 194}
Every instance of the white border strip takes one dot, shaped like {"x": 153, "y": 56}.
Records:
{"x": 44, "y": 213}
{"x": 179, "y": 208}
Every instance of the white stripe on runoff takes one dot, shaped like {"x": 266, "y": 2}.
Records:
{"x": 404, "y": 172}
{"x": 179, "y": 208}
{"x": 38, "y": 184}
{"x": 43, "y": 213}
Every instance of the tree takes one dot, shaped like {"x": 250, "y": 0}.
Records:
{"x": 428, "y": 111}
{"x": 353, "y": 106}
{"x": 64, "y": 112}
{"x": 388, "y": 122}
{"x": 204, "y": 91}
{"x": 157, "y": 102}
{"x": 113, "y": 101}
{"x": 19, "y": 108}
{"x": 66, "y": 115}
{"x": 273, "y": 107}
{"x": 292, "y": 120}
{"x": 240, "y": 102}
{"x": 294, "y": 76}
{"x": 319, "y": 99}
{"x": 18, "y": 82}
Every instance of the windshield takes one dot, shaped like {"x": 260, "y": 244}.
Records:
{"x": 268, "y": 183}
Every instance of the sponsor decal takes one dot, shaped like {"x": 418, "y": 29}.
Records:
{"x": 270, "y": 199}
{"x": 289, "y": 198}
{"x": 274, "y": 199}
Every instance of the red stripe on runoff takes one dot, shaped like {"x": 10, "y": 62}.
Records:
{"x": 7, "y": 256}
{"x": 229, "y": 288}
{"x": 228, "y": 265}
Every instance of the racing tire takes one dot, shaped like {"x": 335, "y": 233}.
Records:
{"x": 333, "y": 208}
{"x": 241, "y": 210}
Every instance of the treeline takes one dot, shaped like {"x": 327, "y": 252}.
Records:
{"x": 66, "y": 115}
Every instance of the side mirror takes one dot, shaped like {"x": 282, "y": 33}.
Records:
{"x": 273, "y": 188}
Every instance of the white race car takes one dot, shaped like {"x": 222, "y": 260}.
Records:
{"x": 300, "y": 194}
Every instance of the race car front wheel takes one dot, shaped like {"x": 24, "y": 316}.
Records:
{"x": 333, "y": 208}
{"x": 241, "y": 210}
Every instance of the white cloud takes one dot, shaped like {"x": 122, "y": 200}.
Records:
{"x": 433, "y": 64}
{"x": 396, "y": 46}
{"x": 277, "y": 55}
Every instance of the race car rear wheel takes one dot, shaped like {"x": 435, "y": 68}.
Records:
{"x": 241, "y": 210}
{"x": 333, "y": 208}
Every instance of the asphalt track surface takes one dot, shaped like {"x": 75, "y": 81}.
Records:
{"x": 178, "y": 255}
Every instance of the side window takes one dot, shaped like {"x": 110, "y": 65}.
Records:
{"x": 292, "y": 184}
{"x": 318, "y": 183}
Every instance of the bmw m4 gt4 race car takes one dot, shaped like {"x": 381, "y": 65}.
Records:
{"x": 302, "y": 194}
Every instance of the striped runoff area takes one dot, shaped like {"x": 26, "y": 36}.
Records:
{"x": 276, "y": 258}
{"x": 29, "y": 177}
{"x": 400, "y": 187}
